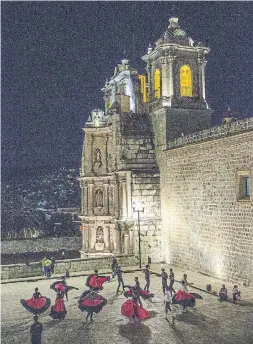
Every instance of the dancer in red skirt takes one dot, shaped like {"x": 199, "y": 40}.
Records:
{"x": 91, "y": 302}
{"x": 37, "y": 304}
{"x": 95, "y": 282}
{"x": 62, "y": 286}
{"x": 133, "y": 311}
{"x": 146, "y": 295}
{"x": 58, "y": 311}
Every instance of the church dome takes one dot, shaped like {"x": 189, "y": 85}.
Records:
{"x": 174, "y": 34}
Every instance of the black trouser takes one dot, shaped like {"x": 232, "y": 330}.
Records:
{"x": 135, "y": 313}
{"x": 167, "y": 306}
{"x": 147, "y": 285}
{"x": 164, "y": 286}
{"x": 138, "y": 298}
{"x": 171, "y": 285}
{"x": 90, "y": 314}
{"x": 48, "y": 271}
{"x": 120, "y": 281}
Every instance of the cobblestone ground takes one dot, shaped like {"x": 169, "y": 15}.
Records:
{"x": 210, "y": 321}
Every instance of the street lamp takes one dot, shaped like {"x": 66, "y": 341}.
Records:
{"x": 139, "y": 208}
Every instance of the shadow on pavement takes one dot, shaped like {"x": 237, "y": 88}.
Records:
{"x": 135, "y": 333}
{"x": 191, "y": 318}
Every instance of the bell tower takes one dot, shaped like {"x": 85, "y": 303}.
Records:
{"x": 176, "y": 84}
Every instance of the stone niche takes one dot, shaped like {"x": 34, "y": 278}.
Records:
{"x": 99, "y": 244}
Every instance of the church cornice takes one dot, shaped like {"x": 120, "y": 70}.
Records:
{"x": 170, "y": 49}
{"x": 97, "y": 130}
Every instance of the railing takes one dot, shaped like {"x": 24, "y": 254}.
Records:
{"x": 213, "y": 133}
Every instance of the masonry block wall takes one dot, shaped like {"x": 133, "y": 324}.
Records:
{"x": 137, "y": 154}
{"x": 205, "y": 226}
{"x": 135, "y": 139}
{"x": 146, "y": 188}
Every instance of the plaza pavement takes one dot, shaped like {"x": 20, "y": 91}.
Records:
{"x": 211, "y": 322}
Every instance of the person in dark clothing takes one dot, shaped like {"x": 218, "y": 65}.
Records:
{"x": 120, "y": 278}
{"x": 147, "y": 278}
{"x": 114, "y": 266}
{"x": 135, "y": 305}
{"x": 36, "y": 294}
{"x": 172, "y": 280}
{"x": 36, "y": 331}
{"x": 52, "y": 265}
{"x": 137, "y": 288}
{"x": 164, "y": 280}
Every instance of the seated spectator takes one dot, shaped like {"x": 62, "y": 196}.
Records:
{"x": 236, "y": 294}
{"x": 223, "y": 294}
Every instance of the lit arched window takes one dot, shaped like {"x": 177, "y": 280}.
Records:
{"x": 185, "y": 81}
{"x": 157, "y": 84}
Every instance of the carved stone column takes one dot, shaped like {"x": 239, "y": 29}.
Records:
{"x": 112, "y": 205}
{"x": 203, "y": 79}
{"x": 90, "y": 199}
{"x": 107, "y": 238}
{"x": 116, "y": 241}
{"x": 106, "y": 203}
{"x": 92, "y": 237}
{"x": 106, "y": 153}
{"x": 170, "y": 60}
{"x": 85, "y": 238}
{"x": 131, "y": 241}
{"x": 116, "y": 203}
{"x": 124, "y": 198}
{"x": 164, "y": 78}
{"x": 85, "y": 199}
{"x": 88, "y": 153}
{"x": 129, "y": 201}
{"x": 149, "y": 80}
{"x": 126, "y": 243}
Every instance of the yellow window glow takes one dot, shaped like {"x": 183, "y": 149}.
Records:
{"x": 143, "y": 88}
{"x": 185, "y": 81}
{"x": 157, "y": 84}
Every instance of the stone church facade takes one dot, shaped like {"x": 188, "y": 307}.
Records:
{"x": 153, "y": 145}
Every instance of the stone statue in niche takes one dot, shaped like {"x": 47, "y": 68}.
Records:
{"x": 99, "y": 235}
{"x": 99, "y": 198}
{"x": 97, "y": 158}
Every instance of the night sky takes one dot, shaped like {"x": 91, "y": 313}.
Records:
{"x": 56, "y": 57}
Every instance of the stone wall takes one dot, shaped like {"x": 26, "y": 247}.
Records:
{"x": 135, "y": 139}
{"x": 41, "y": 245}
{"x": 146, "y": 188}
{"x": 74, "y": 265}
{"x": 205, "y": 227}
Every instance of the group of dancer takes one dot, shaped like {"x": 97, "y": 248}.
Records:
{"x": 91, "y": 301}
{"x": 182, "y": 298}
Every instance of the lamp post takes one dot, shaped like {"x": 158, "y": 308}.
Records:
{"x": 139, "y": 208}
